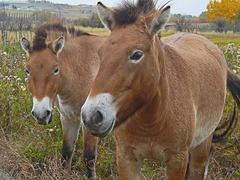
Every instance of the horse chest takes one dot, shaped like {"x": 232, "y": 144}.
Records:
{"x": 142, "y": 143}
{"x": 67, "y": 109}
{"x": 141, "y": 147}
{"x": 149, "y": 150}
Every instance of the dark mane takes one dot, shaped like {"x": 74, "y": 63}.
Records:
{"x": 39, "y": 41}
{"x": 128, "y": 12}
{"x": 51, "y": 31}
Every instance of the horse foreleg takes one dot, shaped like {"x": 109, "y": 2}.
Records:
{"x": 199, "y": 160}
{"x": 70, "y": 129}
{"x": 129, "y": 166}
{"x": 176, "y": 163}
{"x": 90, "y": 153}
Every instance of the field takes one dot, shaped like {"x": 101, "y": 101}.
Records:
{"x": 31, "y": 151}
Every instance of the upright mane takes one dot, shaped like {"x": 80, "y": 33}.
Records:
{"x": 128, "y": 12}
{"x": 51, "y": 31}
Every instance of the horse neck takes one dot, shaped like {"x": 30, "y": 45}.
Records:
{"x": 66, "y": 76}
{"x": 157, "y": 108}
{"x": 81, "y": 68}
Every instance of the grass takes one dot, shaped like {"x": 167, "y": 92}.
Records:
{"x": 31, "y": 151}
{"x": 97, "y": 31}
{"x": 223, "y": 39}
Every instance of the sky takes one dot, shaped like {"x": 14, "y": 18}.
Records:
{"x": 186, "y": 7}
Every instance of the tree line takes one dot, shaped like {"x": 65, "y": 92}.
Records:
{"x": 225, "y": 14}
{"x": 19, "y": 23}
{"x": 92, "y": 21}
{"x": 221, "y": 16}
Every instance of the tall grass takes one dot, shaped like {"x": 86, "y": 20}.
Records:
{"x": 39, "y": 146}
{"x": 96, "y": 31}
{"x": 223, "y": 39}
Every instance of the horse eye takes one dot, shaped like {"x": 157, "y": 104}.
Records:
{"x": 136, "y": 56}
{"x": 27, "y": 72}
{"x": 56, "y": 71}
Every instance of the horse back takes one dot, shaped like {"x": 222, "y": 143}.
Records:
{"x": 197, "y": 73}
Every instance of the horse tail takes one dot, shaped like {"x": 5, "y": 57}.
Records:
{"x": 233, "y": 84}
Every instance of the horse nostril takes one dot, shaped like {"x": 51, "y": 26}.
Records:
{"x": 84, "y": 118}
{"x": 98, "y": 118}
{"x": 48, "y": 112}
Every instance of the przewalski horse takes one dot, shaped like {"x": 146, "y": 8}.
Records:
{"x": 61, "y": 66}
{"x": 164, "y": 97}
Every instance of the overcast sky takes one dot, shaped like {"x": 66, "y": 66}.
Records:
{"x": 187, "y": 7}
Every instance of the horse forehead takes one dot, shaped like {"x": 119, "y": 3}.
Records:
{"x": 124, "y": 41}
{"x": 43, "y": 59}
{"x": 128, "y": 34}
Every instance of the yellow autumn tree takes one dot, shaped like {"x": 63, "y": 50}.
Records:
{"x": 227, "y": 9}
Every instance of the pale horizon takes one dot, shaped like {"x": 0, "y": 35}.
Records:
{"x": 185, "y": 7}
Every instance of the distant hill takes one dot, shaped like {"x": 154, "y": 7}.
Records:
{"x": 14, "y": 1}
{"x": 66, "y": 10}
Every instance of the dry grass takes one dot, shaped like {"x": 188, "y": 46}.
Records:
{"x": 224, "y": 164}
{"x": 16, "y": 166}
{"x": 97, "y": 31}
{"x": 215, "y": 35}
{"x": 223, "y": 39}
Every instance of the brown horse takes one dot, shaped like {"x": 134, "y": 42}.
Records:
{"x": 61, "y": 66}
{"x": 164, "y": 97}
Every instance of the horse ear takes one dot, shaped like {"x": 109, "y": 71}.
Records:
{"x": 57, "y": 45}
{"x": 157, "y": 20}
{"x": 26, "y": 45}
{"x": 106, "y": 16}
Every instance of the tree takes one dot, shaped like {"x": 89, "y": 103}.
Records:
{"x": 95, "y": 20}
{"x": 203, "y": 14}
{"x": 236, "y": 26}
{"x": 92, "y": 21}
{"x": 182, "y": 23}
{"x": 222, "y": 24}
{"x": 226, "y": 9}
{"x": 82, "y": 22}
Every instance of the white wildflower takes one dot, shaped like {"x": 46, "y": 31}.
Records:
{"x": 238, "y": 57}
{"x": 229, "y": 48}
{"x": 234, "y": 71}
{"x": 4, "y": 53}
{"x": 238, "y": 52}
{"x": 18, "y": 79}
{"x": 5, "y": 78}
{"x": 51, "y": 130}
{"x": 23, "y": 88}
